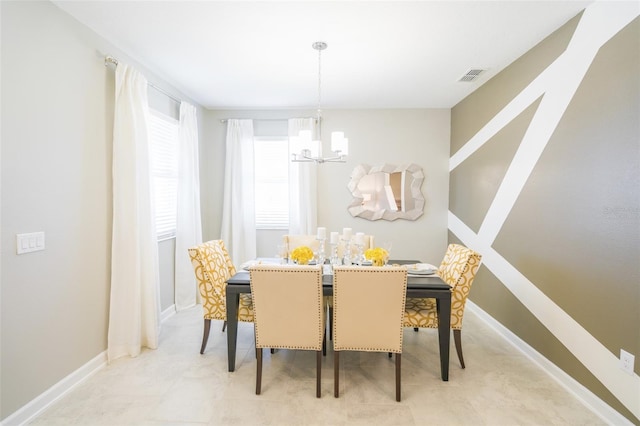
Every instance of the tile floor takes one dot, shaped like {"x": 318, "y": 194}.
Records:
{"x": 175, "y": 385}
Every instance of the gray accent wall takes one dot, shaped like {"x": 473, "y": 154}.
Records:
{"x": 563, "y": 270}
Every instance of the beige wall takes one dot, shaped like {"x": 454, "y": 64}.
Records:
{"x": 548, "y": 190}
{"x": 394, "y": 136}
{"x": 57, "y": 119}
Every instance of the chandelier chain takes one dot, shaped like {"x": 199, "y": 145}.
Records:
{"x": 319, "y": 77}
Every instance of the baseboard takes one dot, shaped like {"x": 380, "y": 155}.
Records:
{"x": 32, "y": 409}
{"x": 584, "y": 395}
{"x": 167, "y": 313}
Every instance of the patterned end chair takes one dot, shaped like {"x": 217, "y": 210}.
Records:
{"x": 213, "y": 267}
{"x": 357, "y": 293}
{"x": 458, "y": 269}
{"x": 283, "y": 323}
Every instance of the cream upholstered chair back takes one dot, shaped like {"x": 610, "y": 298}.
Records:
{"x": 458, "y": 269}
{"x": 294, "y": 241}
{"x": 213, "y": 267}
{"x": 288, "y": 307}
{"x": 280, "y": 320}
{"x": 368, "y": 308}
{"x": 368, "y": 313}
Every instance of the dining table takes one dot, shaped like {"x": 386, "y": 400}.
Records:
{"x": 418, "y": 286}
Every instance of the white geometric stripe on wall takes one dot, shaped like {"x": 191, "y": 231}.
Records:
{"x": 557, "y": 85}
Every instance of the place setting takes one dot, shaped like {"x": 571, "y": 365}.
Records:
{"x": 421, "y": 269}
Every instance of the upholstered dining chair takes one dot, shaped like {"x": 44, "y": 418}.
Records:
{"x": 368, "y": 244}
{"x": 294, "y": 241}
{"x": 285, "y": 323}
{"x": 213, "y": 267}
{"x": 368, "y": 312}
{"x": 458, "y": 269}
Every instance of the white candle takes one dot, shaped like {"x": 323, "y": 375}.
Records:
{"x": 360, "y": 238}
{"x": 346, "y": 234}
{"x": 334, "y": 237}
{"x": 322, "y": 233}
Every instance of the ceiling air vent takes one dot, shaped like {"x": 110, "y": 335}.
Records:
{"x": 471, "y": 75}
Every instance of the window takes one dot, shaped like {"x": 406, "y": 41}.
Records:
{"x": 163, "y": 131}
{"x": 271, "y": 182}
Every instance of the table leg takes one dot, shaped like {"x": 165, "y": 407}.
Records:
{"x": 233, "y": 301}
{"x": 443, "y": 306}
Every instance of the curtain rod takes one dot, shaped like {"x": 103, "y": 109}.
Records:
{"x": 224, "y": 120}
{"x": 111, "y": 60}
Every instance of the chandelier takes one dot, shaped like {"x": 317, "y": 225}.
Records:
{"x": 308, "y": 150}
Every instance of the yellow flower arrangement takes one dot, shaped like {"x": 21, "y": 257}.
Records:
{"x": 376, "y": 255}
{"x": 302, "y": 255}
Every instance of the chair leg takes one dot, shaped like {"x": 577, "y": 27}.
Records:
{"x": 224, "y": 325}
{"x": 318, "y": 372}
{"x": 324, "y": 344}
{"x": 331, "y": 323}
{"x": 258, "y": 371}
{"x": 457, "y": 337}
{"x": 398, "y": 375}
{"x": 205, "y": 335}
{"x": 336, "y": 375}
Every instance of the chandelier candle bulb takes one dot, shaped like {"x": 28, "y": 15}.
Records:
{"x": 322, "y": 233}
{"x": 339, "y": 143}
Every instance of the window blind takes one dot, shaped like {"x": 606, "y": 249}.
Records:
{"x": 271, "y": 182}
{"x": 164, "y": 136}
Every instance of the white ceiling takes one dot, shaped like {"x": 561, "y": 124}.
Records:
{"x": 381, "y": 54}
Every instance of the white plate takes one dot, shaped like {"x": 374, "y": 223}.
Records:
{"x": 419, "y": 272}
{"x": 421, "y": 269}
{"x": 249, "y": 264}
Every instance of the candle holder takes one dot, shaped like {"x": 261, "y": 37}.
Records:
{"x": 321, "y": 253}
{"x": 346, "y": 260}
{"x": 360, "y": 254}
{"x": 334, "y": 259}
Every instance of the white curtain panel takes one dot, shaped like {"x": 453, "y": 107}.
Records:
{"x": 188, "y": 221}
{"x": 303, "y": 186}
{"x": 238, "y": 208}
{"x": 134, "y": 309}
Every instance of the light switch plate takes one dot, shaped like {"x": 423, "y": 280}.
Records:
{"x": 26, "y": 243}
{"x": 626, "y": 361}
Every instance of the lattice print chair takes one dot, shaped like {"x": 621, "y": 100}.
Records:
{"x": 213, "y": 267}
{"x": 285, "y": 323}
{"x": 458, "y": 269}
{"x": 368, "y": 313}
